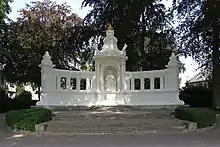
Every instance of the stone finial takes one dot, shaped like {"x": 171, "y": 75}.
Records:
{"x": 109, "y": 31}
{"x": 95, "y": 46}
{"x": 173, "y": 61}
{"x": 47, "y": 61}
{"x": 124, "y": 49}
{"x": 110, "y": 41}
{"x": 109, "y": 26}
{"x": 125, "y": 46}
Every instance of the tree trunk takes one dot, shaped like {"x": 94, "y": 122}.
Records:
{"x": 39, "y": 93}
{"x": 216, "y": 86}
{"x": 143, "y": 35}
{"x": 216, "y": 68}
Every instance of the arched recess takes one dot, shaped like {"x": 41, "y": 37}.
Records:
{"x": 102, "y": 75}
{"x": 110, "y": 79}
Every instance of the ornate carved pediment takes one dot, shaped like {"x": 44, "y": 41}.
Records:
{"x": 110, "y": 47}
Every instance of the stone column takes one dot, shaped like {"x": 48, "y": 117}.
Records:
{"x": 47, "y": 77}
{"x": 152, "y": 83}
{"x": 68, "y": 82}
{"x": 88, "y": 83}
{"x": 48, "y": 80}
{"x": 122, "y": 77}
{"x": 161, "y": 82}
{"x": 127, "y": 83}
{"x": 78, "y": 79}
{"x": 173, "y": 73}
{"x": 132, "y": 83}
{"x": 97, "y": 77}
{"x": 93, "y": 83}
{"x": 142, "y": 83}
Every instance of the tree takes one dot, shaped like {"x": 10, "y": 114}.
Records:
{"x": 42, "y": 26}
{"x": 199, "y": 36}
{"x": 134, "y": 23}
{"x": 4, "y": 10}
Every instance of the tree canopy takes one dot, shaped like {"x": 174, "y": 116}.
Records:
{"x": 4, "y": 10}
{"x": 42, "y": 27}
{"x": 135, "y": 23}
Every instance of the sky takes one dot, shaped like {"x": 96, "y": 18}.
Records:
{"x": 190, "y": 64}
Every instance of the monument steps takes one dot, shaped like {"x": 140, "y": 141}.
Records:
{"x": 112, "y": 122}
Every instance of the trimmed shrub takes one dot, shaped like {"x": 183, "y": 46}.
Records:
{"x": 196, "y": 96}
{"x": 22, "y": 101}
{"x": 204, "y": 117}
{"x": 27, "y": 119}
{"x": 14, "y": 116}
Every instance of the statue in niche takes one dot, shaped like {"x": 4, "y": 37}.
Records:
{"x": 110, "y": 82}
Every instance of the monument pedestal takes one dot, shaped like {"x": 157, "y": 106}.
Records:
{"x": 110, "y": 96}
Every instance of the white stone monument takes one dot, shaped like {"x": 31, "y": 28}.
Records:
{"x": 110, "y": 84}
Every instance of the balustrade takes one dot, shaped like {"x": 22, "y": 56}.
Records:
{"x": 147, "y": 80}
{"x": 65, "y": 80}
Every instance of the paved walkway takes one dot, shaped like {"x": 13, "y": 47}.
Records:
{"x": 174, "y": 139}
{"x": 4, "y": 130}
{"x": 147, "y": 140}
{"x": 147, "y": 121}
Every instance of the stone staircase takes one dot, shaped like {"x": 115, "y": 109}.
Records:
{"x": 109, "y": 102}
{"x": 110, "y": 120}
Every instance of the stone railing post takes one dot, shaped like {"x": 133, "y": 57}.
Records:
{"x": 142, "y": 83}
{"x": 132, "y": 83}
{"x": 48, "y": 80}
{"x": 151, "y": 83}
{"x": 173, "y": 73}
{"x": 127, "y": 83}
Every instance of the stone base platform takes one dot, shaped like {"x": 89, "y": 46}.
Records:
{"x": 112, "y": 108}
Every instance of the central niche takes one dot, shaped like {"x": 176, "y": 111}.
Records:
{"x": 110, "y": 79}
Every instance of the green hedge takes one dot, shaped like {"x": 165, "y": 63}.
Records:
{"x": 204, "y": 117}
{"x": 27, "y": 119}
